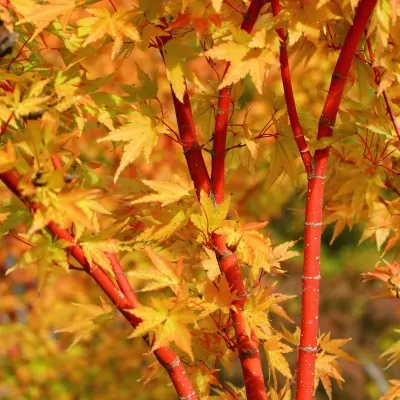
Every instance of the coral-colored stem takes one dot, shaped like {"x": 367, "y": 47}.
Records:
{"x": 247, "y": 345}
{"x": 222, "y": 115}
{"x": 120, "y": 275}
{"x": 289, "y": 96}
{"x": 169, "y": 360}
{"x": 190, "y": 144}
{"x": 314, "y": 205}
{"x": 385, "y": 98}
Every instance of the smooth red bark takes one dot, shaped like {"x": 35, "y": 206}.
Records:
{"x": 314, "y": 206}
{"x": 167, "y": 357}
{"x": 247, "y": 346}
{"x": 190, "y": 144}
{"x": 249, "y": 353}
{"x": 289, "y": 96}
{"x": 222, "y": 115}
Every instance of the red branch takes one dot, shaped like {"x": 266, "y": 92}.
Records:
{"x": 169, "y": 360}
{"x": 222, "y": 115}
{"x": 378, "y": 80}
{"x": 190, "y": 144}
{"x": 289, "y": 96}
{"x": 120, "y": 275}
{"x": 314, "y": 205}
{"x": 249, "y": 353}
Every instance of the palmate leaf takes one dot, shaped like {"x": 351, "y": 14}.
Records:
{"x": 211, "y": 217}
{"x": 117, "y": 24}
{"x": 45, "y": 254}
{"x": 79, "y": 207}
{"x": 332, "y": 346}
{"x": 251, "y": 247}
{"x": 140, "y": 136}
{"x": 162, "y": 229}
{"x": 168, "y": 320}
{"x": 167, "y": 191}
{"x": 42, "y": 14}
{"x": 177, "y": 56}
{"x": 326, "y": 367}
{"x": 275, "y": 350}
{"x": 88, "y": 320}
{"x": 247, "y": 54}
{"x": 256, "y": 311}
{"x": 160, "y": 276}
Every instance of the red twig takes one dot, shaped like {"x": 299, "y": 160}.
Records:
{"x": 229, "y": 4}
{"x": 120, "y": 275}
{"x": 222, "y": 115}
{"x": 378, "y": 80}
{"x": 289, "y": 96}
{"x": 169, "y": 360}
{"x": 5, "y": 125}
{"x": 314, "y": 204}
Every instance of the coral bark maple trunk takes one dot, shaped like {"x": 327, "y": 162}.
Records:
{"x": 247, "y": 346}
{"x": 314, "y": 205}
{"x": 316, "y": 169}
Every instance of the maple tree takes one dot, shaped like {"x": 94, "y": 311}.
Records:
{"x": 137, "y": 181}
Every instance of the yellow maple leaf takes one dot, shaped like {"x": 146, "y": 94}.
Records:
{"x": 90, "y": 319}
{"x": 95, "y": 252}
{"x": 118, "y": 25}
{"x": 252, "y": 247}
{"x": 42, "y": 14}
{"x": 162, "y": 228}
{"x": 281, "y": 253}
{"x": 140, "y": 135}
{"x": 168, "y": 320}
{"x": 211, "y": 265}
{"x": 247, "y": 54}
{"x": 274, "y": 350}
{"x": 212, "y": 216}
{"x": 332, "y": 346}
{"x": 219, "y": 293}
{"x": 257, "y": 309}
{"x": 161, "y": 276}
{"x": 167, "y": 191}
{"x": 326, "y": 367}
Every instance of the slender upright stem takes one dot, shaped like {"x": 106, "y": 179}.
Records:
{"x": 247, "y": 346}
{"x": 169, "y": 360}
{"x": 316, "y": 169}
{"x": 222, "y": 115}
{"x": 314, "y": 206}
{"x": 249, "y": 353}
{"x": 190, "y": 143}
{"x": 289, "y": 96}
